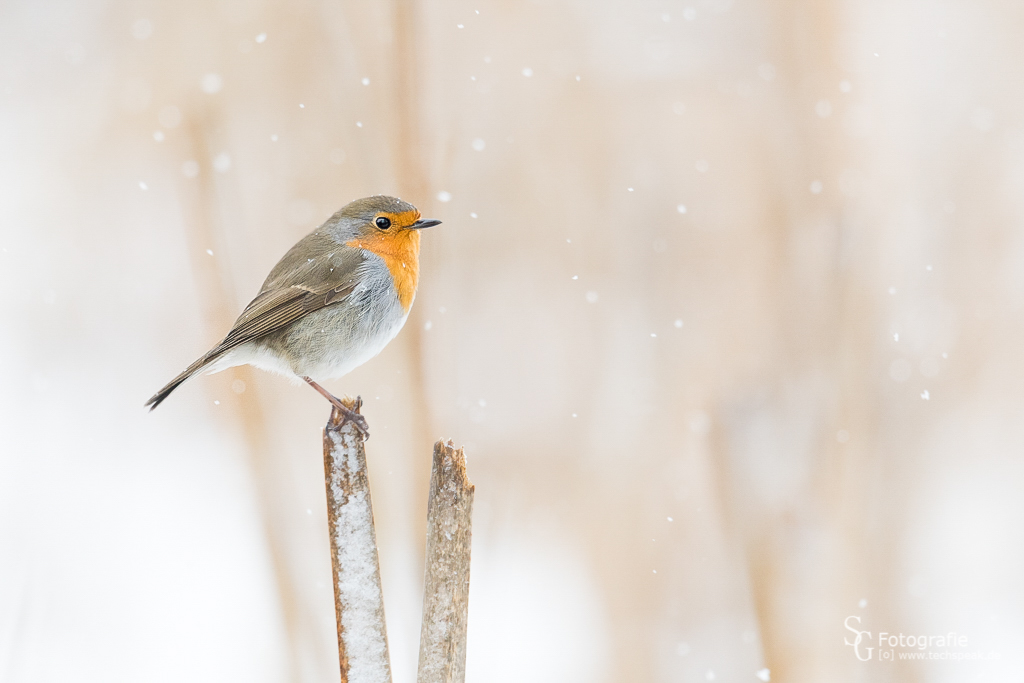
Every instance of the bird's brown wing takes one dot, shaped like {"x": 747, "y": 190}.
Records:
{"x": 309, "y": 285}
{"x": 296, "y": 287}
{"x": 270, "y": 311}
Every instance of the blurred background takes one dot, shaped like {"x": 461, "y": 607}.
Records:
{"x": 726, "y": 308}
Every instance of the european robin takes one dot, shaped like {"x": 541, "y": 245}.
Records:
{"x": 332, "y": 303}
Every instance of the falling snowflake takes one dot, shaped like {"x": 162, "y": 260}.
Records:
{"x": 211, "y": 84}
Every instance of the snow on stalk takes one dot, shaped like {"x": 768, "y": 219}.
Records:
{"x": 446, "y": 580}
{"x": 358, "y": 600}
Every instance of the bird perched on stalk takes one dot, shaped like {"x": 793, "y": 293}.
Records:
{"x": 332, "y": 303}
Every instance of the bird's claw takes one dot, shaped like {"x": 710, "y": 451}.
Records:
{"x": 348, "y": 414}
{"x": 351, "y": 415}
{"x": 359, "y": 422}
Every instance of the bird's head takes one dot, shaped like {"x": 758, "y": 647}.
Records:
{"x": 389, "y": 228}
{"x": 382, "y": 219}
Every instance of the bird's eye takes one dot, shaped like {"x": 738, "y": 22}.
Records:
{"x": 383, "y": 223}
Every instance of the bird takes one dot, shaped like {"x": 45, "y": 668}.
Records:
{"x": 332, "y": 302}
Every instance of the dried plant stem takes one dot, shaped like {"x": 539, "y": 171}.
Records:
{"x": 358, "y": 600}
{"x": 201, "y": 203}
{"x": 446, "y": 581}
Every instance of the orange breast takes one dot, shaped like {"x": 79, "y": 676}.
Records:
{"x": 401, "y": 252}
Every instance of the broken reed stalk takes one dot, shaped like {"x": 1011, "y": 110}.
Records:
{"x": 358, "y": 600}
{"x": 446, "y": 576}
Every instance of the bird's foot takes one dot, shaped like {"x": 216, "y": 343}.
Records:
{"x": 349, "y": 414}
{"x": 352, "y": 415}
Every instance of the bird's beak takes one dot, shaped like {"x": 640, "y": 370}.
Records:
{"x": 425, "y": 223}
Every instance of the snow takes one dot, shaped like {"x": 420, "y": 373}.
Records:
{"x": 143, "y": 186}
{"x": 479, "y": 144}
{"x": 681, "y": 208}
{"x": 443, "y": 196}
{"x": 764, "y": 675}
{"x": 527, "y": 71}
{"x": 358, "y": 579}
{"x": 365, "y": 81}
{"x": 678, "y": 324}
{"x": 925, "y": 395}
{"x": 211, "y": 84}
{"x": 817, "y": 186}
{"x": 262, "y": 37}
{"x": 591, "y": 297}
{"x": 158, "y": 135}
{"x": 222, "y": 162}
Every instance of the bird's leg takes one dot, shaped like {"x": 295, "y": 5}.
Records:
{"x": 358, "y": 420}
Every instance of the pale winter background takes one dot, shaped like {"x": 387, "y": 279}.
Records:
{"x": 727, "y": 309}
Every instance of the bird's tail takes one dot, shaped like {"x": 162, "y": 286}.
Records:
{"x": 191, "y": 370}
